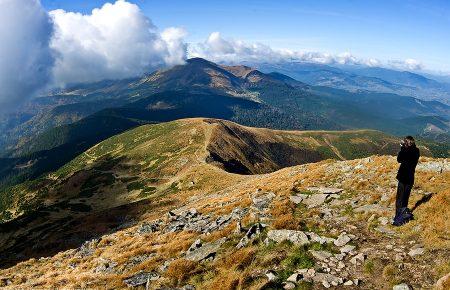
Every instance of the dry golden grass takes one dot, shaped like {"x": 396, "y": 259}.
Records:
{"x": 180, "y": 271}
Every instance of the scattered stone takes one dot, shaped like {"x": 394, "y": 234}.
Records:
{"x": 298, "y": 238}
{"x": 288, "y": 285}
{"x": 348, "y": 283}
{"x": 358, "y": 259}
{"x": 327, "y": 279}
{"x": 319, "y": 239}
{"x": 321, "y": 255}
{"x": 297, "y": 199}
{"x": 402, "y": 286}
{"x": 105, "y": 266}
{"x": 372, "y": 208}
{"x": 87, "y": 248}
{"x": 347, "y": 249}
{"x": 271, "y": 275}
{"x": 443, "y": 282}
{"x": 385, "y": 230}
{"x": 149, "y": 227}
{"x": 197, "y": 244}
{"x": 315, "y": 200}
{"x": 261, "y": 202}
{"x": 416, "y": 251}
{"x": 383, "y": 220}
{"x": 141, "y": 278}
{"x": 254, "y": 231}
{"x": 205, "y": 251}
{"x": 294, "y": 278}
{"x": 325, "y": 190}
{"x": 342, "y": 240}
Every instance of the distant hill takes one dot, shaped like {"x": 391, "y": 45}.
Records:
{"x": 357, "y": 77}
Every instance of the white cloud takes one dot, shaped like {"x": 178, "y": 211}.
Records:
{"x": 217, "y": 48}
{"x": 114, "y": 41}
{"x": 25, "y": 56}
{"x": 407, "y": 64}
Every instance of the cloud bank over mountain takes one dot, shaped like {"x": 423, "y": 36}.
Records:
{"x": 220, "y": 49}
{"x": 41, "y": 49}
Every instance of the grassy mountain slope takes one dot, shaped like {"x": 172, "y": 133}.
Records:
{"x": 236, "y": 148}
{"x": 116, "y": 196}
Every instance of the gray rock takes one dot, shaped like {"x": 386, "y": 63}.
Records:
{"x": 262, "y": 201}
{"x": 325, "y": 190}
{"x": 271, "y": 275}
{"x": 372, "y": 208}
{"x": 141, "y": 278}
{"x": 440, "y": 284}
{"x": 416, "y": 251}
{"x": 315, "y": 200}
{"x": 288, "y": 285}
{"x": 321, "y": 255}
{"x": 327, "y": 279}
{"x": 105, "y": 266}
{"x": 319, "y": 239}
{"x": 149, "y": 227}
{"x": 294, "y": 278}
{"x": 296, "y": 237}
{"x": 342, "y": 240}
{"x": 87, "y": 248}
{"x": 204, "y": 252}
{"x": 358, "y": 259}
{"x": 254, "y": 231}
{"x": 402, "y": 286}
{"x": 297, "y": 199}
{"x": 347, "y": 249}
{"x": 348, "y": 283}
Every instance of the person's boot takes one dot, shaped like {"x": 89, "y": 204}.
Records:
{"x": 399, "y": 217}
{"x": 407, "y": 215}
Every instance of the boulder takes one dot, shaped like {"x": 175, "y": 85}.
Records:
{"x": 321, "y": 255}
{"x": 254, "y": 231}
{"x": 347, "y": 249}
{"x": 315, "y": 200}
{"x": 402, "y": 286}
{"x": 297, "y": 199}
{"x": 443, "y": 283}
{"x": 141, "y": 278}
{"x": 325, "y": 190}
{"x": 416, "y": 251}
{"x": 296, "y": 237}
{"x": 271, "y": 275}
{"x": 205, "y": 251}
{"x": 342, "y": 240}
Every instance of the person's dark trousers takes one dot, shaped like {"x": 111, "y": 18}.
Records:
{"x": 402, "y": 213}
{"x": 403, "y": 192}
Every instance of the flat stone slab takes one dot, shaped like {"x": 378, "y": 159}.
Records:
{"x": 325, "y": 190}
{"x": 141, "y": 278}
{"x": 296, "y": 237}
{"x": 205, "y": 251}
{"x": 315, "y": 200}
{"x": 321, "y": 255}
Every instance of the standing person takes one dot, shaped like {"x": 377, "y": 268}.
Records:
{"x": 408, "y": 158}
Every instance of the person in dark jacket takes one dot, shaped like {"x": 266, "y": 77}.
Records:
{"x": 408, "y": 157}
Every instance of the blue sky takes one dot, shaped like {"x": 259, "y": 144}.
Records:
{"x": 385, "y": 30}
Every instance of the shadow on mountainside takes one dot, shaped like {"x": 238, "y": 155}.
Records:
{"x": 86, "y": 211}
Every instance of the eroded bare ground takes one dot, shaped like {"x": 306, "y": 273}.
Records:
{"x": 306, "y": 227}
